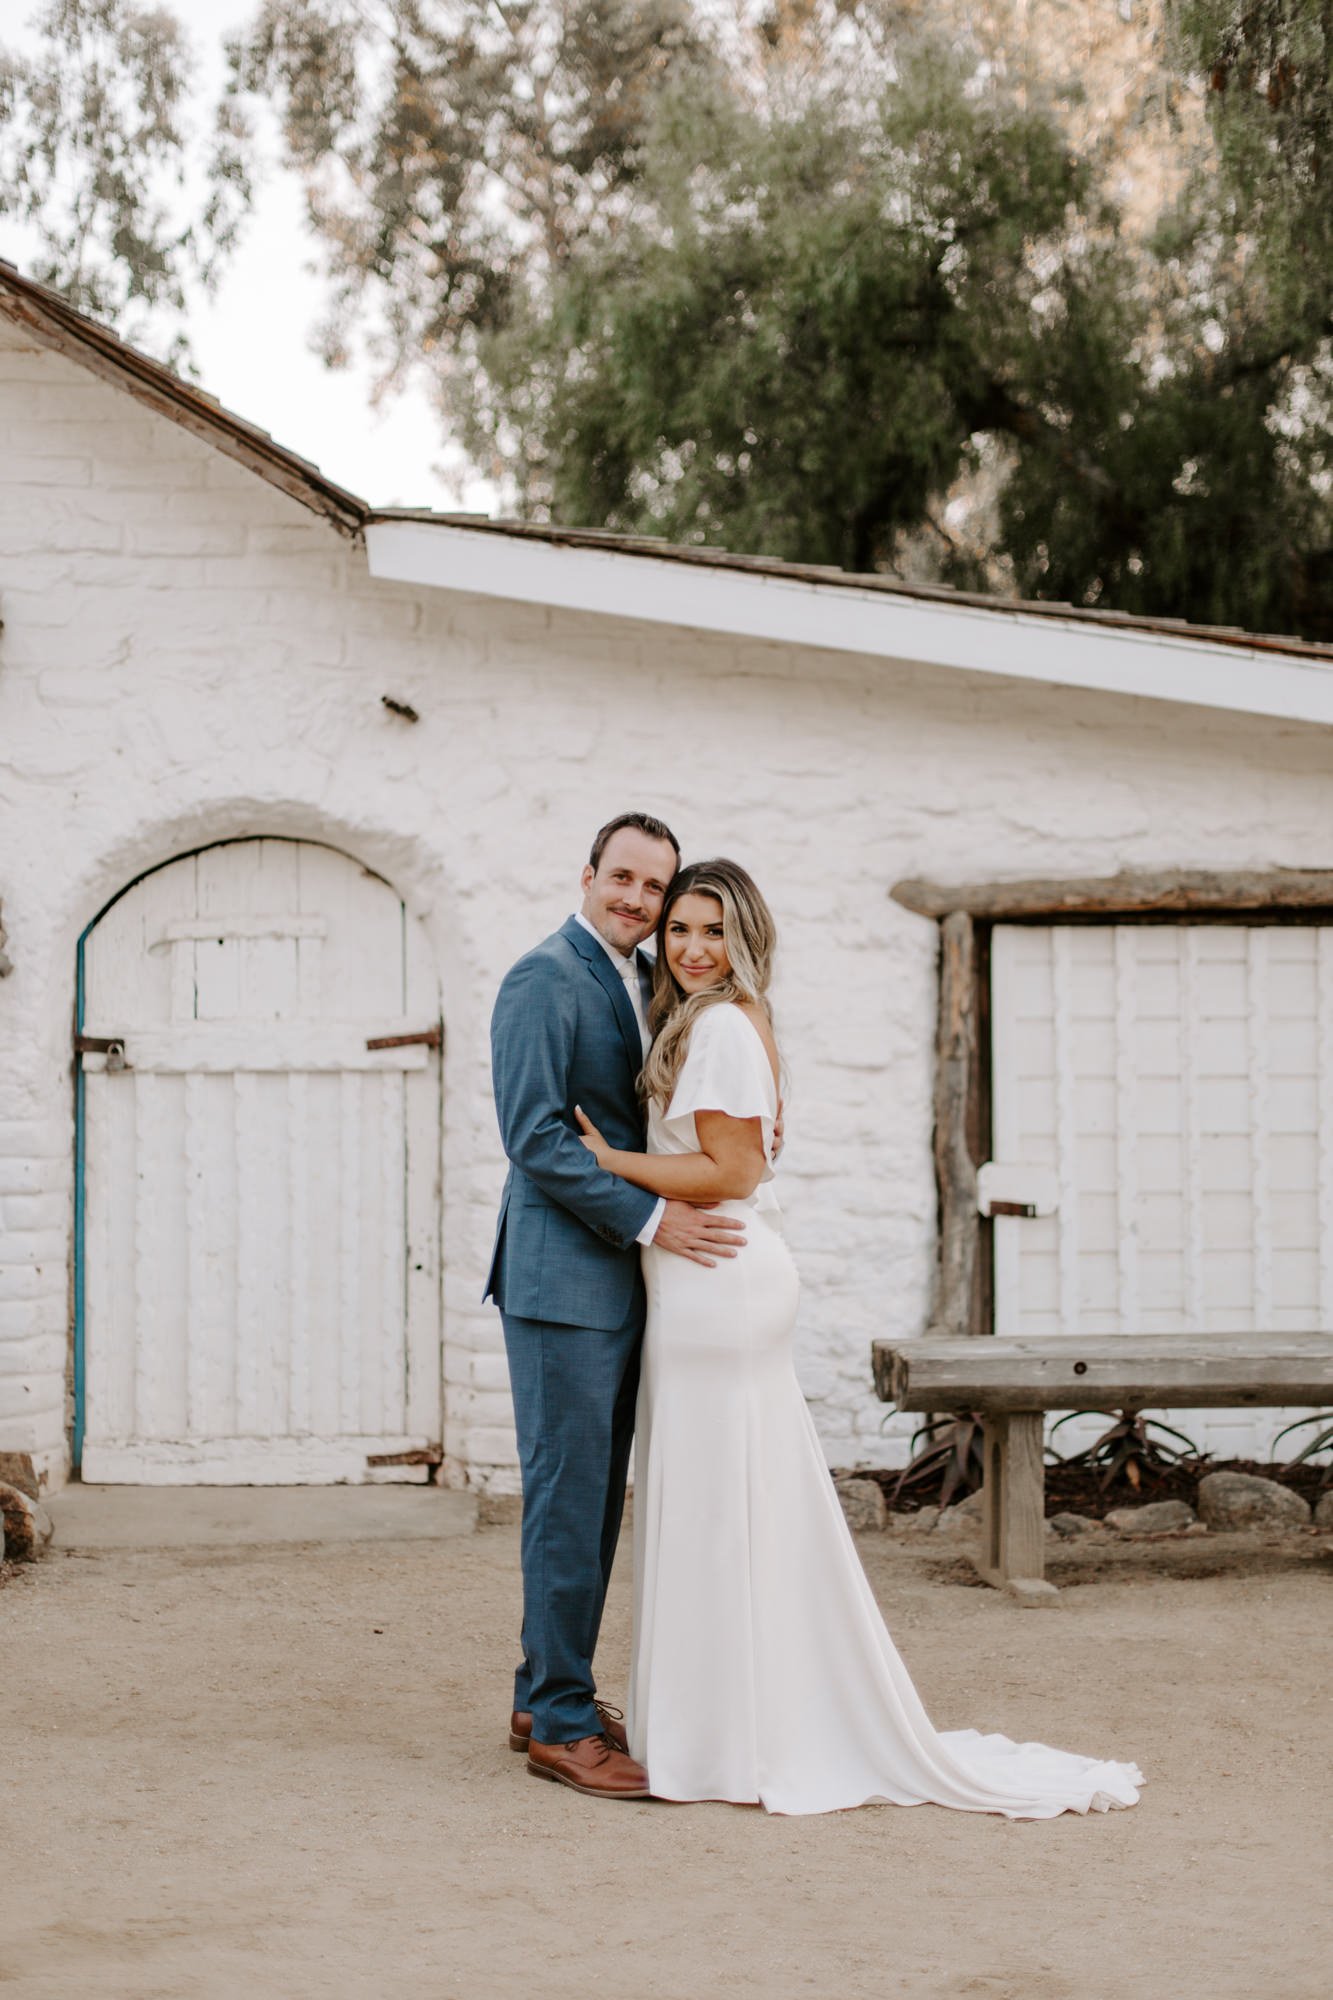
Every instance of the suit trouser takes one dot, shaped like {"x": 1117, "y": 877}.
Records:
{"x": 574, "y": 1391}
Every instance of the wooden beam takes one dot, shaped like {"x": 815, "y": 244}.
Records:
{"x": 1125, "y": 1371}
{"x": 955, "y": 1169}
{"x": 1013, "y": 1508}
{"x": 1131, "y": 893}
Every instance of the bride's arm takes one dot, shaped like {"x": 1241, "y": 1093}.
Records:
{"x": 729, "y": 1166}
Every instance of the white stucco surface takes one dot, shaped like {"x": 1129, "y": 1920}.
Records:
{"x": 188, "y": 656}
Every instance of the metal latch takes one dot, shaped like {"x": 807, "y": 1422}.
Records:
{"x": 110, "y": 1046}
{"x": 429, "y": 1038}
{"x": 1007, "y": 1187}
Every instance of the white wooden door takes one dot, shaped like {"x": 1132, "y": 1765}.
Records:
{"x": 1178, "y": 1080}
{"x": 261, "y": 1189}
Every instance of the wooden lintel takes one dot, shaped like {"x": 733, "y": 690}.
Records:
{"x": 1131, "y": 893}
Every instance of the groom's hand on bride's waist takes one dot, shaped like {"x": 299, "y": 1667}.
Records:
{"x": 700, "y": 1234}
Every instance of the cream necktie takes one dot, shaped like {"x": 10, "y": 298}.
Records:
{"x": 629, "y": 972}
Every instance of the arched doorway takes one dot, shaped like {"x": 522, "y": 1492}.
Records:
{"x": 257, "y": 1263}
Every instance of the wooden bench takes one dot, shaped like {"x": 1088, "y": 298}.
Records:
{"x": 1013, "y": 1383}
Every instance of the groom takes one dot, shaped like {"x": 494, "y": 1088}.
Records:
{"x": 571, "y": 1027}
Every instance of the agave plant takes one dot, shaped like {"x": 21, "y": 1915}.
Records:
{"x": 1321, "y": 1441}
{"x": 1133, "y": 1444}
{"x": 950, "y": 1452}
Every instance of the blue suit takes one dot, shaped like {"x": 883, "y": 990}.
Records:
{"x": 565, "y": 1275}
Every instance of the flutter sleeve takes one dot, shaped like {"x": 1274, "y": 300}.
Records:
{"x": 726, "y": 1069}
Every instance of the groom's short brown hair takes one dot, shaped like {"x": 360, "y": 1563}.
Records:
{"x": 656, "y": 829}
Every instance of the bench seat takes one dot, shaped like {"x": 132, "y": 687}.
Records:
{"x": 1013, "y": 1382}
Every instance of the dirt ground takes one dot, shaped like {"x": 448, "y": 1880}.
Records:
{"x": 280, "y": 1773}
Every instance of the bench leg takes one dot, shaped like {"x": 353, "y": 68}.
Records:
{"x": 1013, "y": 1523}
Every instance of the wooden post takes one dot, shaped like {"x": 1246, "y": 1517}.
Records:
{"x": 955, "y": 1060}
{"x": 1013, "y": 1522}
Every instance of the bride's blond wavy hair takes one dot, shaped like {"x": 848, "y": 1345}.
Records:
{"x": 750, "y": 936}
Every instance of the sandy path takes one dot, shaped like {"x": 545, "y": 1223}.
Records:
{"x": 281, "y": 1772}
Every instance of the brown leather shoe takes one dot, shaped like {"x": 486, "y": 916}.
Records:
{"x": 591, "y": 1766}
{"x": 611, "y": 1719}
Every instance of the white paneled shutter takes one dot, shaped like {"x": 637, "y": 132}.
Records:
{"x": 261, "y": 1185}
{"x": 1167, "y": 1089}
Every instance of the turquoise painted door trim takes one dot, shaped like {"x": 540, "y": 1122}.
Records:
{"x": 80, "y": 1162}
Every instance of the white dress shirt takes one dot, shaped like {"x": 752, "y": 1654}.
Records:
{"x": 628, "y": 968}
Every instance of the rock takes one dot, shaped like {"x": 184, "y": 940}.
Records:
{"x": 920, "y": 1523}
{"x": 27, "y": 1525}
{"x": 1033, "y": 1593}
{"x": 1232, "y": 1500}
{"x": 960, "y": 1521}
{"x": 963, "y": 1518}
{"x": 863, "y": 1504}
{"x": 1158, "y": 1517}
{"x": 1071, "y": 1526}
{"x": 16, "y": 1470}
{"x": 1323, "y": 1513}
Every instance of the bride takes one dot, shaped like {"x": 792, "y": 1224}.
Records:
{"x": 762, "y": 1671}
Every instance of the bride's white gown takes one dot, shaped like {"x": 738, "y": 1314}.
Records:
{"x": 762, "y": 1671}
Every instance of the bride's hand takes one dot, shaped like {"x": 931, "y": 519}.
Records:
{"x": 591, "y": 1137}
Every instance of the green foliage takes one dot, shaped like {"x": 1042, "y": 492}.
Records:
{"x": 1269, "y": 71}
{"x": 814, "y": 323}
{"x": 786, "y": 285}
{"x": 948, "y": 1453}
{"x": 1168, "y": 487}
{"x": 93, "y": 152}
{"x": 1130, "y": 1446}
{"x": 1321, "y": 1423}
{"x": 452, "y": 150}
{"x": 787, "y": 346}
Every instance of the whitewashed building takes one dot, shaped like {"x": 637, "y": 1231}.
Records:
{"x": 286, "y": 784}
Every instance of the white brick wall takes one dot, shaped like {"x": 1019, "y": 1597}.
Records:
{"x": 188, "y": 656}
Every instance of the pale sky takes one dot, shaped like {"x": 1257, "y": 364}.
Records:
{"x": 251, "y": 341}
{"x": 252, "y": 349}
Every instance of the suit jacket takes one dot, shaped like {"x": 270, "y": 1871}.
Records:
{"x": 564, "y": 1033}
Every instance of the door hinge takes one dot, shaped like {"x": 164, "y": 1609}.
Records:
{"x": 1014, "y": 1188}
{"x": 430, "y": 1038}
{"x": 422, "y": 1454}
